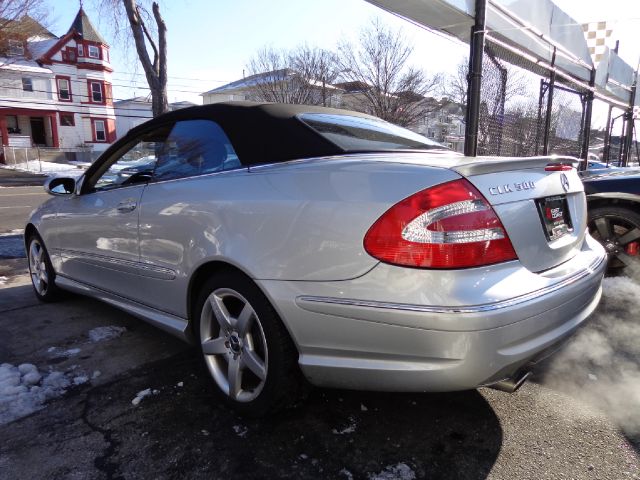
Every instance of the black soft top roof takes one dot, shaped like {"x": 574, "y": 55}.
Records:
{"x": 261, "y": 132}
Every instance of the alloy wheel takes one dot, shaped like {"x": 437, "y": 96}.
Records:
{"x": 620, "y": 238}
{"x": 38, "y": 267}
{"x": 234, "y": 344}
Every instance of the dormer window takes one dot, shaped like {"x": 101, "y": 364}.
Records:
{"x": 94, "y": 52}
{"x": 16, "y": 48}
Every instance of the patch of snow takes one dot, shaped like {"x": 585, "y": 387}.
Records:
{"x": 401, "y": 471}
{"x": 180, "y": 384}
{"x": 346, "y": 473}
{"x": 96, "y": 374}
{"x": 59, "y": 352}
{"x": 100, "y": 334}
{"x": 363, "y": 408}
{"x": 240, "y": 430}
{"x": 304, "y": 456}
{"x": 3, "y": 280}
{"x": 24, "y": 390}
{"x": 350, "y": 428}
{"x": 205, "y": 432}
{"x": 15, "y": 231}
{"x": 36, "y": 166}
{"x": 142, "y": 394}
{"x": 80, "y": 379}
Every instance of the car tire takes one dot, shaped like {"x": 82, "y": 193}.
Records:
{"x": 617, "y": 229}
{"x": 41, "y": 271}
{"x": 245, "y": 347}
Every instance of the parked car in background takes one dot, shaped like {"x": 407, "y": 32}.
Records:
{"x": 288, "y": 240}
{"x": 613, "y": 198}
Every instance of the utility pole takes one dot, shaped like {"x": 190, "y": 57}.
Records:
{"x": 547, "y": 119}
{"x": 476, "y": 55}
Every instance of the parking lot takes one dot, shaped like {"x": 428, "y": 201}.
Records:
{"x": 135, "y": 403}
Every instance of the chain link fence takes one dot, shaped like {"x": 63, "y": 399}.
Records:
{"x": 525, "y": 110}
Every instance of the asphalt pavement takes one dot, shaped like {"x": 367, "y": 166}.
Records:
{"x": 16, "y": 203}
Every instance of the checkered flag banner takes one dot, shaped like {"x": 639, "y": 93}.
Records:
{"x": 598, "y": 35}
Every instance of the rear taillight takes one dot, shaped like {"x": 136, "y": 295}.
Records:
{"x": 450, "y": 225}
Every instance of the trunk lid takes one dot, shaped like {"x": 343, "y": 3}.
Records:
{"x": 544, "y": 212}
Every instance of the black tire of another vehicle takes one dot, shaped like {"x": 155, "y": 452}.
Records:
{"x": 41, "y": 271}
{"x": 264, "y": 346}
{"x": 614, "y": 228}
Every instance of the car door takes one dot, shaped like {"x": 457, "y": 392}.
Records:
{"x": 96, "y": 235}
{"x": 179, "y": 209}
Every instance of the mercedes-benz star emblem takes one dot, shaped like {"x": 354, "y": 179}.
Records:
{"x": 565, "y": 182}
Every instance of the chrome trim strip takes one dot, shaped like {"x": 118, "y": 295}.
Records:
{"x": 487, "y": 307}
{"x": 144, "y": 269}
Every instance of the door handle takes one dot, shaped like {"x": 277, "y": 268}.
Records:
{"x": 127, "y": 206}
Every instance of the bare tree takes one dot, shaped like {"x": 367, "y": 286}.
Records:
{"x": 388, "y": 86}
{"x": 149, "y": 32}
{"x": 300, "y": 76}
{"x": 20, "y": 21}
{"x": 454, "y": 86}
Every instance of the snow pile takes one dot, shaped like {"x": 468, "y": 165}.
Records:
{"x": 401, "y": 471}
{"x": 37, "y": 166}
{"x": 601, "y": 364}
{"x": 100, "y": 334}
{"x": 24, "y": 390}
{"x": 3, "y": 280}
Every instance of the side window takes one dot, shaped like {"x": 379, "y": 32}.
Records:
{"x": 133, "y": 164}
{"x": 195, "y": 147}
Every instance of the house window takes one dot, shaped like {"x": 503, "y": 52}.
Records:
{"x": 96, "y": 92}
{"x": 16, "y": 47}
{"x": 64, "y": 89}
{"x": 27, "y": 84}
{"x": 12, "y": 124}
{"x": 80, "y": 50}
{"x": 99, "y": 131}
{"x": 67, "y": 120}
{"x": 94, "y": 52}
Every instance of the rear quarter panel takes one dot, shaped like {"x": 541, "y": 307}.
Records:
{"x": 297, "y": 221}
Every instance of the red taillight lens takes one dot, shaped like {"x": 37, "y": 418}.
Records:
{"x": 450, "y": 225}
{"x": 558, "y": 167}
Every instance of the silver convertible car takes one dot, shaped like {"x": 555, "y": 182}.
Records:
{"x": 295, "y": 242}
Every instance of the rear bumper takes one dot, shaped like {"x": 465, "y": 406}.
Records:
{"x": 376, "y": 344}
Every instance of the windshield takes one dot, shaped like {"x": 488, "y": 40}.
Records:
{"x": 359, "y": 134}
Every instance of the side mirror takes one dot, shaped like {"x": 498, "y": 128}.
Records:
{"x": 60, "y": 185}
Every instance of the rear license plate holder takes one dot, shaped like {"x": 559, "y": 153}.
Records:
{"x": 554, "y": 213}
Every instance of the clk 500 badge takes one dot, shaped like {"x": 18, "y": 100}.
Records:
{"x": 512, "y": 187}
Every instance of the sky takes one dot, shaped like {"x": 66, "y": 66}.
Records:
{"x": 210, "y": 42}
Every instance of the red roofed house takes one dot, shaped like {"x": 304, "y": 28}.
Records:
{"x": 56, "y": 91}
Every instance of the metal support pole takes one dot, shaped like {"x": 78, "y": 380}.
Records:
{"x": 628, "y": 136}
{"x": 547, "y": 120}
{"x": 475, "y": 80}
{"x": 586, "y": 126}
{"x": 606, "y": 152}
{"x": 543, "y": 89}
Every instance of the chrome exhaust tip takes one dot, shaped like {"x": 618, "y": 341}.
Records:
{"x": 513, "y": 383}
